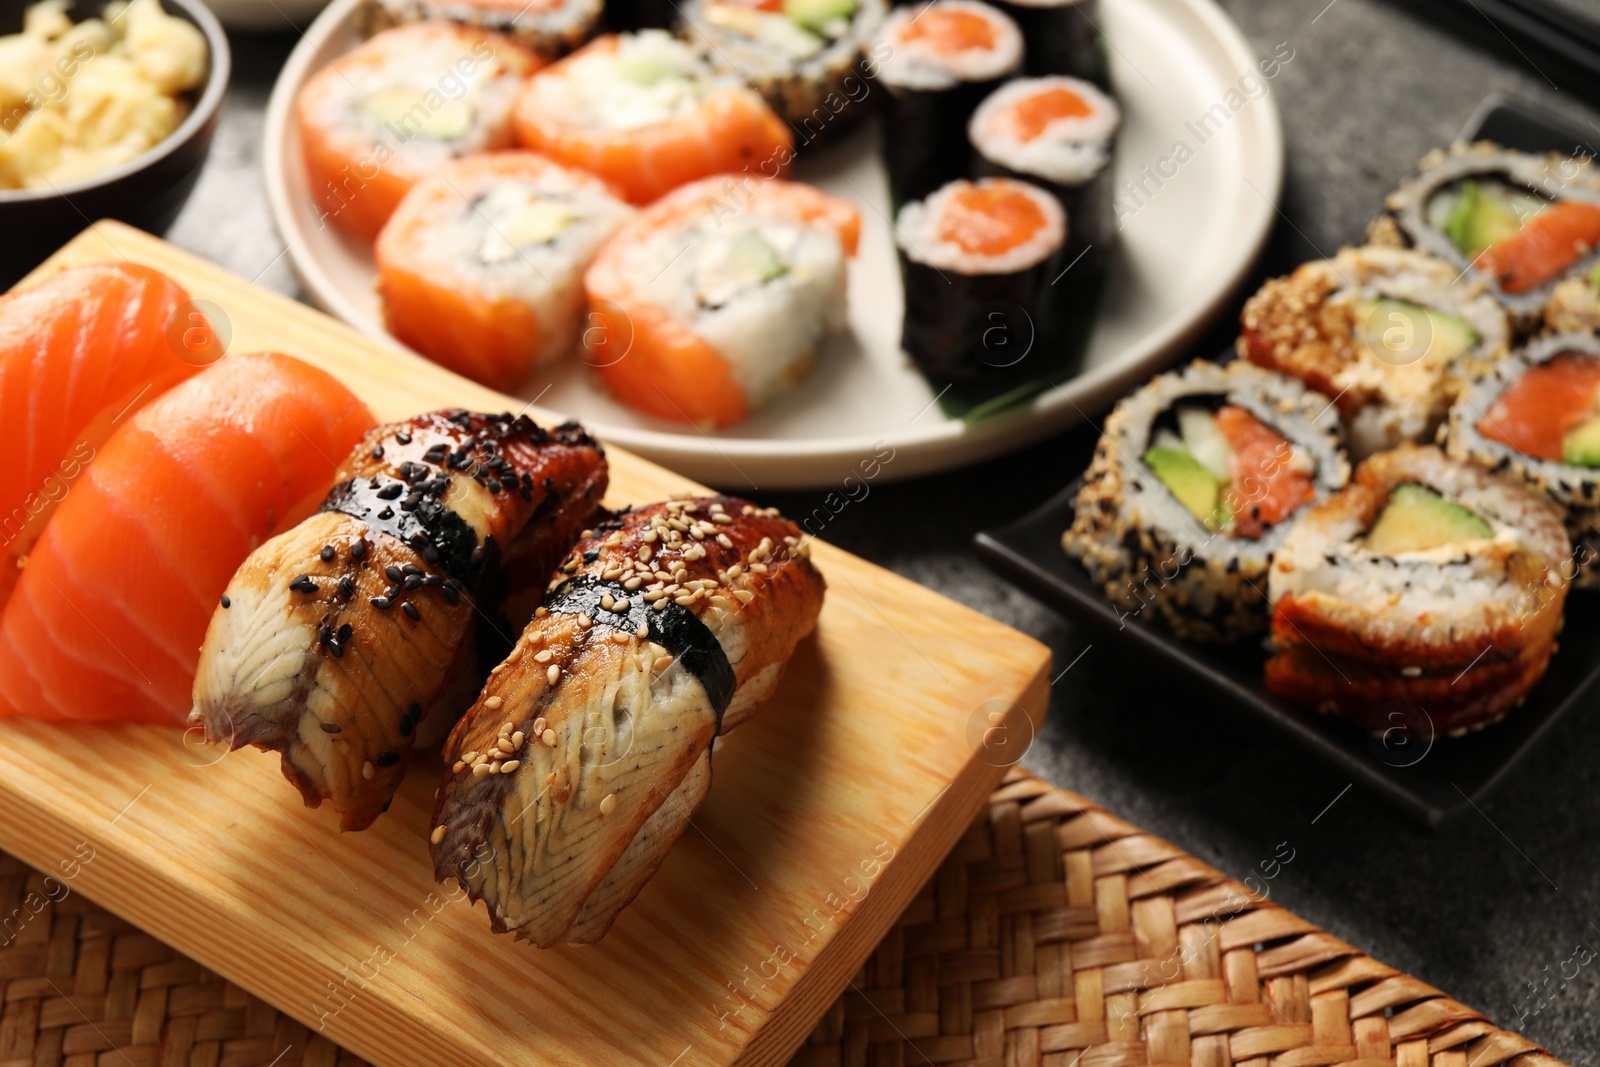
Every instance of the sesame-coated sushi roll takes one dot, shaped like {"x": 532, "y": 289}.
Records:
{"x": 978, "y": 260}
{"x": 938, "y": 60}
{"x": 1536, "y": 417}
{"x": 1063, "y": 37}
{"x": 1057, "y": 133}
{"x": 1574, "y": 305}
{"x": 645, "y": 112}
{"x": 551, "y": 28}
{"x": 715, "y": 299}
{"x": 805, "y": 57}
{"x": 1426, "y": 583}
{"x": 339, "y": 640}
{"x": 590, "y": 748}
{"x": 399, "y": 106}
{"x": 1520, "y": 223}
{"x": 481, "y": 267}
{"x": 1389, "y": 333}
{"x": 1194, "y": 485}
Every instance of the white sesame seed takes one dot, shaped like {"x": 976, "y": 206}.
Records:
{"x": 584, "y": 622}
{"x": 549, "y": 738}
{"x": 470, "y": 755}
{"x": 459, "y": 767}
{"x": 438, "y": 834}
{"x": 645, "y": 551}
{"x": 482, "y": 770}
{"x": 724, "y": 541}
{"x": 554, "y": 674}
{"x": 538, "y": 726}
{"x": 493, "y": 703}
{"x": 544, "y": 655}
{"x": 642, "y": 630}
{"x": 622, "y": 605}
{"x": 661, "y": 663}
{"x": 368, "y": 770}
{"x": 609, "y": 804}
{"x": 518, "y": 738}
{"x": 510, "y": 765}
{"x": 632, "y": 583}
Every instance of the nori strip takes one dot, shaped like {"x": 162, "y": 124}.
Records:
{"x": 1061, "y": 38}
{"x": 925, "y": 137}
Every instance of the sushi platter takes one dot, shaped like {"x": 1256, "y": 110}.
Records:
{"x": 1358, "y": 629}
{"x": 863, "y": 391}
{"x": 830, "y": 810}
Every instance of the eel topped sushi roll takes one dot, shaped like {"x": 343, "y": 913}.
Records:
{"x": 1536, "y": 417}
{"x": 715, "y": 299}
{"x": 1521, "y": 223}
{"x": 589, "y": 750}
{"x": 1062, "y": 37}
{"x": 938, "y": 60}
{"x": 805, "y": 57}
{"x": 397, "y": 108}
{"x": 979, "y": 260}
{"x": 481, "y": 267}
{"x": 551, "y": 28}
{"x": 1427, "y": 583}
{"x": 1390, "y": 333}
{"x": 1057, "y": 133}
{"x": 1194, "y": 485}
{"x": 647, "y": 113}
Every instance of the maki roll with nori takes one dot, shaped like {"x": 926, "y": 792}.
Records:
{"x": 1536, "y": 417}
{"x": 1062, "y": 37}
{"x": 1519, "y": 222}
{"x": 1058, "y": 133}
{"x": 938, "y": 61}
{"x": 1193, "y": 487}
{"x": 1388, "y": 332}
{"x": 551, "y": 28}
{"x": 1427, "y": 584}
{"x": 978, "y": 260}
{"x": 805, "y": 57}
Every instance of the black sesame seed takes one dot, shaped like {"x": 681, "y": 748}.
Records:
{"x": 590, "y": 555}
{"x": 477, "y": 555}
{"x": 344, "y": 632}
{"x": 390, "y": 491}
{"x": 327, "y": 553}
{"x": 331, "y": 728}
{"x": 413, "y": 581}
{"x": 377, "y": 452}
{"x": 381, "y": 603}
{"x": 394, "y": 573}
{"x": 386, "y": 514}
{"x": 387, "y": 759}
{"x": 358, "y": 551}
{"x": 226, "y": 602}
{"x": 451, "y": 594}
{"x": 403, "y": 437}
{"x": 411, "y": 611}
{"x": 347, "y": 588}
{"x": 303, "y": 584}
{"x": 337, "y": 649}
{"x": 494, "y": 485}
{"x": 430, "y": 554}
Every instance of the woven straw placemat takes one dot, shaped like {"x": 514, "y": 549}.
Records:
{"x": 1055, "y": 935}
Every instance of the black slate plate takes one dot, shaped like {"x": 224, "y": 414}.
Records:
{"x": 1430, "y": 779}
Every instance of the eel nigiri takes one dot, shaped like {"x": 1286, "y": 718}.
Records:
{"x": 79, "y": 352}
{"x": 110, "y": 610}
{"x": 589, "y": 749}
{"x": 336, "y": 638}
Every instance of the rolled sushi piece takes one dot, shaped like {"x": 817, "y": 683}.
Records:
{"x": 1193, "y": 487}
{"x": 805, "y": 57}
{"x": 647, "y": 113}
{"x": 1521, "y": 223}
{"x": 398, "y": 107}
{"x": 1062, "y": 37}
{"x": 938, "y": 60}
{"x": 1536, "y": 417}
{"x": 1389, "y": 333}
{"x": 1427, "y": 583}
{"x": 978, "y": 259}
{"x": 1058, "y": 133}
{"x": 551, "y": 28}
{"x": 1574, "y": 305}
{"x": 481, "y": 267}
{"x": 715, "y": 299}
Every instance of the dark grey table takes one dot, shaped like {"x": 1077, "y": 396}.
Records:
{"x": 1493, "y": 910}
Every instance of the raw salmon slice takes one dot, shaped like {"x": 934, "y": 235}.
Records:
{"x": 107, "y": 619}
{"x": 1547, "y": 244}
{"x": 1534, "y": 415}
{"x": 1265, "y": 485}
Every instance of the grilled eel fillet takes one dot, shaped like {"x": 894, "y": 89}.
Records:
{"x": 335, "y": 637}
{"x": 590, "y": 747}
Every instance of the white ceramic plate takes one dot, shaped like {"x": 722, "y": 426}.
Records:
{"x": 1196, "y": 223}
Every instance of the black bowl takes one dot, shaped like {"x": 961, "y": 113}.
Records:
{"x": 146, "y": 192}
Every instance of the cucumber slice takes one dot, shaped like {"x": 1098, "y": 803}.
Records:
{"x": 403, "y": 108}
{"x": 746, "y": 261}
{"x": 816, "y": 14}
{"x": 1196, "y": 488}
{"x": 1168, "y": 440}
{"x": 1204, "y": 441}
{"x": 1581, "y": 446}
{"x": 1400, "y": 332}
{"x": 646, "y": 70}
{"x": 1479, "y": 219}
{"x": 1415, "y": 519}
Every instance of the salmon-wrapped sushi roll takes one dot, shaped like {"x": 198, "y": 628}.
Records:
{"x": 481, "y": 267}
{"x": 715, "y": 298}
{"x": 648, "y": 114}
{"x": 336, "y": 639}
{"x": 590, "y": 747}
{"x": 398, "y": 107}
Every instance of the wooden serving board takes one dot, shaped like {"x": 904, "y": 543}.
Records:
{"x": 829, "y": 811}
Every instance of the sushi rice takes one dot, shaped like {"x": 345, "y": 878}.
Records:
{"x": 1067, "y": 149}
{"x": 552, "y": 28}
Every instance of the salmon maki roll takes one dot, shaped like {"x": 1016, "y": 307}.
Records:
{"x": 590, "y": 747}
{"x": 107, "y": 619}
{"x": 715, "y": 299}
{"x": 481, "y": 267}
{"x": 80, "y": 353}
{"x": 647, "y": 114}
{"x": 336, "y": 639}
{"x": 397, "y": 108}
{"x": 552, "y": 28}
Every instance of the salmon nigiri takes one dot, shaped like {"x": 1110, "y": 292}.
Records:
{"x": 80, "y": 352}
{"x": 107, "y": 619}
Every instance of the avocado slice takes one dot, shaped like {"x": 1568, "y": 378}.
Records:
{"x": 645, "y": 70}
{"x": 747, "y": 260}
{"x": 1581, "y": 445}
{"x": 1400, "y": 332}
{"x": 1479, "y": 219}
{"x": 1196, "y": 488}
{"x": 403, "y": 107}
{"x": 816, "y": 14}
{"x": 1416, "y": 518}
